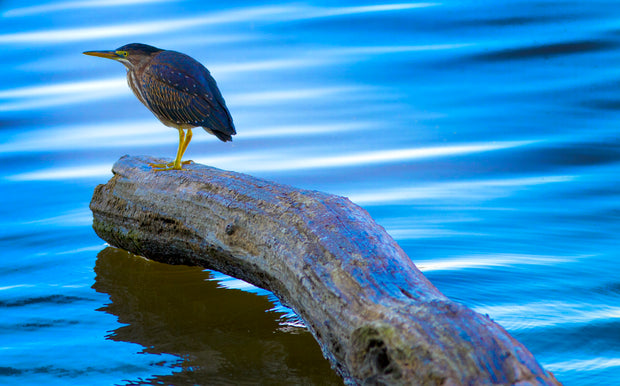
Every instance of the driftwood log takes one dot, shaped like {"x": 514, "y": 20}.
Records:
{"x": 377, "y": 319}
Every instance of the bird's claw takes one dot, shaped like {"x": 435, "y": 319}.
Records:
{"x": 159, "y": 167}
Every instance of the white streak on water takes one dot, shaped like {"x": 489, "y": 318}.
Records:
{"x": 42, "y": 103}
{"x": 96, "y": 136}
{"x": 323, "y": 57}
{"x": 69, "y": 219}
{"x": 270, "y": 65}
{"x": 68, "y": 173}
{"x": 549, "y": 314}
{"x": 374, "y": 157}
{"x": 304, "y": 130}
{"x": 69, "y": 88}
{"x": 93, "y": 248}
{"x": 32, "y": 97}
{"x": 319, "y": 12}
{"x": 256, "y": 14}
{"x": 376, "y": 50}
{"x": 145, "y": 28}
{"x": 267, "y": 97}
{"x": 73, "y": 5}
{"x": 143, "y": 133}
{"x": 271, "y": 161}
{"x": 599, "y": 363}
{"x": 10, "y": 287}
{"x": 468, "y": 190}
{"x": 426, "y": 232}
{"x": 488, "y": 261}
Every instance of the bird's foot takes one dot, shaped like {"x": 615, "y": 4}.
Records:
{"x": 168, "y": 166}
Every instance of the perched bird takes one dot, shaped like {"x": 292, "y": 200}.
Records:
{"x": 177, "y": 89}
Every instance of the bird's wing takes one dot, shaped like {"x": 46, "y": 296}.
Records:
{"x": 169, "y": 103}
{"x": 184, "y": 90}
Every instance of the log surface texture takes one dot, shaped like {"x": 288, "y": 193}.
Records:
{"x": 377, "y": 319}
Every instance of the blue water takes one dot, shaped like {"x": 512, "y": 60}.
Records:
{"x": 482, "y": 135}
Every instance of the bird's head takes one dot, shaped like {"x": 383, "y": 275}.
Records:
{"x": 130, "y": 54}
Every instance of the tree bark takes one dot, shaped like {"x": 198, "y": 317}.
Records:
{"x": 377, "y": 319}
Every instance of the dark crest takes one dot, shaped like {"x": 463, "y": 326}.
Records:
{"x": 139, "y": 47}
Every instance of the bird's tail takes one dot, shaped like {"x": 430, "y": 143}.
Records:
{"x": 221, "y": 136}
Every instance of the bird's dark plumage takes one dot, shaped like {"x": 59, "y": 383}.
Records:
{"x": 181, "y": 90}
{"x": 176, "y": 88}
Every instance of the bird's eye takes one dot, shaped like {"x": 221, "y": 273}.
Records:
{"x": 122, "y": 53}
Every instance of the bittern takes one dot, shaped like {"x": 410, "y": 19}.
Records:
{"x": 177, "y": 89}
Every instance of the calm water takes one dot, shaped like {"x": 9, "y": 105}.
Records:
{"x": 482, "y": 135}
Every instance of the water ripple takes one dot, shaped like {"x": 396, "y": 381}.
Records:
{"x": 591, "y": 364}
{"x": 69, "y": 88}
{"x": 490, "y": 261}
{"x": 271, "y": 161}
{"x": 74, "y": 5}
{"x": 549, "y": 313}
{"x": 47, "y": 299}
{"x": 319, "y": 12}
{"x": 144, "y": 28}
{"x": 469, "y": 190}
{"x": 254, "y": 14}
{"x": 547, "y": 50}
{"x": 378, "y": 157}
{"x": 144, "y": 133}
{"x": 267, "y": 97}
{"x": 35, "y": 97}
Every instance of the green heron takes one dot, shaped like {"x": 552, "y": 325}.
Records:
{"x": 177, "y": 89}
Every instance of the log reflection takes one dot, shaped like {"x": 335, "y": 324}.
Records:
{"x": 220, "y": 336}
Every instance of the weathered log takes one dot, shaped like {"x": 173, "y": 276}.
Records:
{"x": 377, "y": 319}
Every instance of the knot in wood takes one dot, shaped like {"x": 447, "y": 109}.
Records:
{"x": 230, "y": 229}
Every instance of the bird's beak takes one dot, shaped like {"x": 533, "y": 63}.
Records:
{"x": 103, "y": 54}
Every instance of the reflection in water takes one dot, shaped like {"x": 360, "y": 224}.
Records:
{"x": 220, "y": 336}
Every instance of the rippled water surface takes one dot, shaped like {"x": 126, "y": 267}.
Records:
{"x": 483, "y": 135}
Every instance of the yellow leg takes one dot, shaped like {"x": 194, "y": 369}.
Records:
{"x": 188, "y": 138}
{"x": 177, "y": 160}
{"x": 183, "y": 143}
